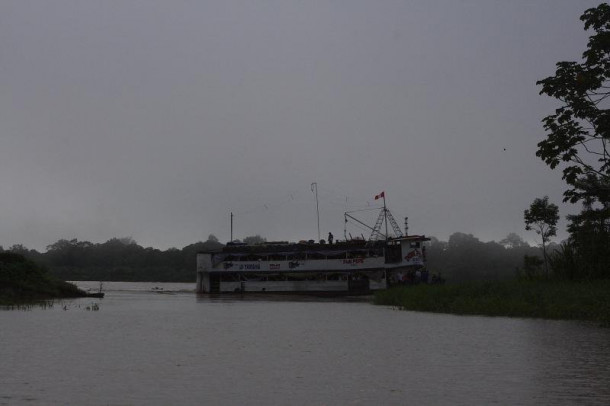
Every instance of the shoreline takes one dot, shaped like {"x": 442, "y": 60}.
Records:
{"x": 554, "y": 300}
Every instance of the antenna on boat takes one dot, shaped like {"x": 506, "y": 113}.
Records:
{"x": 231, "y": 227}
{"x": 314, "y": 188}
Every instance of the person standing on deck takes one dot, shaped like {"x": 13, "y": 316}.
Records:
{"x": 330, "y": 238}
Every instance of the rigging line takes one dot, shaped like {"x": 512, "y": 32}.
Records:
{"x": 361, "y": 227}
{"x": 359, "y": 210}
{"x": 343, "y": 196}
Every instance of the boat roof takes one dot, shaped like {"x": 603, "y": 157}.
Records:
{"x": 412, "y": 238}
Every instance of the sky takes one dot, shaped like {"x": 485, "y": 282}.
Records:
{"x": 155, "y": 120}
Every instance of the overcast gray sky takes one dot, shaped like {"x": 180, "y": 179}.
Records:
{"x": 156, "y": 119}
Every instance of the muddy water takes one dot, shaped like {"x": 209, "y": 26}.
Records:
{"x": 160, "y": 344}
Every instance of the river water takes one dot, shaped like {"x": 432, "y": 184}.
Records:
{"x": 161, "y": 344}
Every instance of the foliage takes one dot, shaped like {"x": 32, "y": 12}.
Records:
{"x": 120, "y": 259}
{"x": 513, "y": 240}
{"x": 542, "y": 217}
{"x": 463, "y": 258}
{"x": 540, "y": 299}
{"x": 532, "y": 268}
{"x": 564, "y": 261}
{"x": 254, "y": 240}
{"x": 578, "y": 134}
{"x": 586, "y": 254}
{"x": 22, "y": 280}
{"x": 579, "y": 131}
{"x": 466, "y": 258}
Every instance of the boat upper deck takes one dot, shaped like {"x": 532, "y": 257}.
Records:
{"x": 286, "y": 248}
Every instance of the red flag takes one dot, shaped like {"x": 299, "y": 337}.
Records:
{"x": 380, "y": 195}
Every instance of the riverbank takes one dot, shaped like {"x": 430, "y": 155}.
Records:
{"x": 565, "y": 300}
{"x": 23, "y": 281}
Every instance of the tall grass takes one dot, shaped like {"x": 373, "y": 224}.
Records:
{"x": 539, "y": 299}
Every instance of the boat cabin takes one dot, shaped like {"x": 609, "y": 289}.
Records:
{"x": 351, "y": 267}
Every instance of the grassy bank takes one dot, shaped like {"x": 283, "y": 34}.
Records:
{"x": 23, "y": 281}
{"x": 538, "y": 299}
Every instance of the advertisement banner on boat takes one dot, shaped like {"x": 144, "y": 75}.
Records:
{"x": 414, "y": 256}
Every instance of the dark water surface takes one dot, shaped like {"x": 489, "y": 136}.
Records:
{"x": 148, "y": 348}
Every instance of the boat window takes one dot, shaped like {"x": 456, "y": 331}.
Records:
{"x": 414, "y": 244}
{"x": 296, "y": 256}
{"x": 315, "y": 255}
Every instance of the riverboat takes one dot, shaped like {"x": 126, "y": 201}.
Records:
{"x": 352, "y": 266}
{"x": 349, "y": 267}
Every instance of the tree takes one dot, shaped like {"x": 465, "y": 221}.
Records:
{"x": 579, "y": 131}
{"x": 513, "y": 240}
{"x": 255, "y": 239}
{"x": 127, "y": 241}
{"x": 578, "y": 135}
{"x": 212, "y": 238}
{"x": 542, "y": 217}
{"x": 19, "y": 249}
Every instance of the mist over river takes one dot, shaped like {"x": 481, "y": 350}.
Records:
{"x": 161, "y": 344}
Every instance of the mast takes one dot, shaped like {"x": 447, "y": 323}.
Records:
{"x": 385, "y": 215}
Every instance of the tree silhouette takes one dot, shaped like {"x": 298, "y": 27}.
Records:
{"x": 542, "y": 217}
{"x": 579, "y": 130}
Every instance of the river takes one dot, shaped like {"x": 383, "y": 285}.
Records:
{"x": 161, "y": 344}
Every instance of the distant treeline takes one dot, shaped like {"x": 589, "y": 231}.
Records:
{"x": 118, "y": 259}
{"x": 465, "y": 258}
{"x": 462, "y": 258}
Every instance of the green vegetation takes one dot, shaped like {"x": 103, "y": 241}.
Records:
{"x": 575, "y": 283}
{"x": 538, "y": 299}
{"x": 24, "y": 281}
{"x": 462, "y": 258}
{"x": 578, "y": 136}
{"x": 118, "y": 259}
{"x": 542, "y": 217}
{"x": 465, "y": 258}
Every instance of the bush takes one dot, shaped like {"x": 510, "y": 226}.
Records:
{"x": 22, "y": 280}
